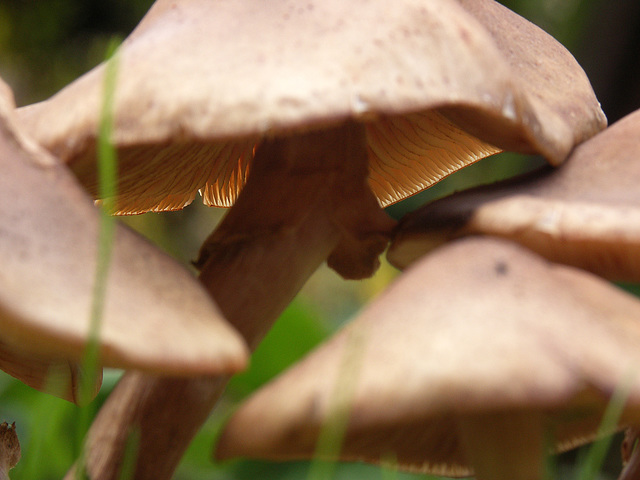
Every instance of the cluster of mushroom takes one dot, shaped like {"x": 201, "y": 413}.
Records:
{"x": 308, "y": 120}
{"x": 48, "y": 251}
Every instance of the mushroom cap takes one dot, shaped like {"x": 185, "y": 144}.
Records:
{"x": 558, "y": 91}
{"x": 201, "y": 82}
{"x": 480, "y": 326}
{"x": 585, "y": 213}
{"x": 156, "y": 316}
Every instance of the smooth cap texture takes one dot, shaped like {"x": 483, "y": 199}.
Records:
{"x": 586, "y": 213}
{"x": 481, "y": 326}
{"x": 157, "y": 317}
{"x": 559, "y": 94}
{"x": 201, "y": 82}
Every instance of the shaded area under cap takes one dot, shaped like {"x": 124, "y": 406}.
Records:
{"x": 54, "y": 375}
{"x": 584, "y": 213}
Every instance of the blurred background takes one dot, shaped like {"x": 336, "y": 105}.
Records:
{"x": 46, "y": 45}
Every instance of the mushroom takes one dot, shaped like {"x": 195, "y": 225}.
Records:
{"x": 318, "y": 110}
{"x": 584, "y": 214}
{"x": 156, "y": 316}
{"x": 9, "y": 449}
{"x": 475, "y": 356}
{"x": 188, "y": 122}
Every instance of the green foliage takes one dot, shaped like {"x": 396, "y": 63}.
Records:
{"x": 298, "y": 330}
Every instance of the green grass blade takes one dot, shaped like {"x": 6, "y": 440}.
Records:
{"x": 130, "y": 456}
{"x": 389, "y": 468}
{"x": 334, "y": 428}
{"x": 107, "y": 189}
{"x": 49, "y": 422}
{"x": 107, "y": 175}
{"x": 591, "y": 464}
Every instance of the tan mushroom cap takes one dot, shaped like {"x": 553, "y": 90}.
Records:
{"x": 202, "y": 82}
{"x": 556, "y": 88}
{"x": 586, "y": 213}
{"x": 157, "y": 317}
{"x": 479, "y": 329}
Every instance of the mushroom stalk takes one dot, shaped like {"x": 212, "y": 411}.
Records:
{"x": 630, "y": 455}
{"x": 504, "y": 445}
{"x": 9, "y": 449}
{"x": 306, "y": 201}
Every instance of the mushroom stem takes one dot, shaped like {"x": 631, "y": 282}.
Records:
{"x": 630, "y": 455}
{"x": 306, "y": 200}
{"x": 9, "y": 449}
{"x": 504, "y": 445}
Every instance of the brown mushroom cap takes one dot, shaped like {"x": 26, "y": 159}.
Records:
{"x": 202, "y": 82}
{"x": 479, "y": 328}
{"x": 557, "y": 90}
{"x": 585, "y": 213}
{"x": 157, "y": 317}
